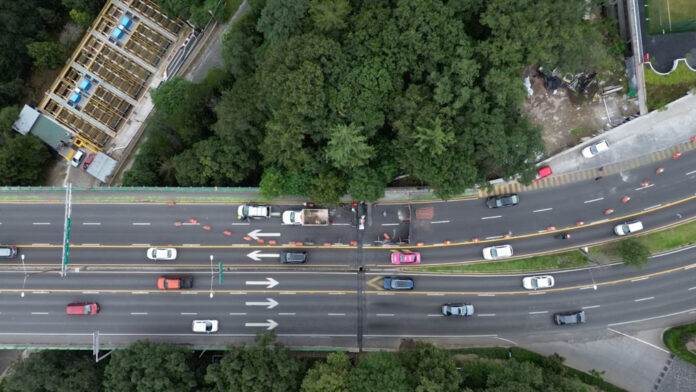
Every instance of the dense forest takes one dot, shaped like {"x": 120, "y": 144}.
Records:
{"x": 269, "y": 367}
{"x": 326, "y": 97}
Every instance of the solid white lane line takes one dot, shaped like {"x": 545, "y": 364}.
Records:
{"x": 42, "y": 244}
{"x": 537, "y": 293}
{"x": 639, "y": 279}
{"x": 140, "y": 244}
{"x": 138, "y": 313}
{"x": 690, "y": 173}
{"x": 435, "y": 295}
{"x": 491, "y": 217}
{"x": 41, "y": 223}
{"x": 139, "y": 292}
{"x": 90, "y": 244}
{"x": 383, "y": 293}
{"x": 337, "y": 293}
{"x": 189, "y": 224}
{"x": 643, "y": 299}
{"x": 644, "y": 187}
{"x": 39, "y": 292}
{"x": 593, "y": 200}
{"x": 540, "y": 312}
{"x": 486, "y": 295}
{"x": 651, "y": 207}
{"x": 240, "y": 224}
{"x": 286, "y": 314}
{"x": 189, "y": 293}
{"x": 340, "y": 224}
{"x": 238, "y": 293}
{"x": 436, "y": 222}
{"x": 435, "y": 315}
{"x": 90, "y": 292}
{"x": 39, "y": 312}
{"x": 188, "y": 314}
{"x": 91, "y": 223}
{"x": 544, "y": 209}
{"x": 390, "y": 224}
{"x": 590, "y": 307}
{"x": 385, "y": 314}
{"x": 692, "y": 288}
{"x": 191, "y": 244}
{"x": 494, "y": 237}
{"x": 141, "y": 223}
{"x": 237, "y": 314}
{"x": 337, "y": 314}
{"x": 486, "y": 314}
{"x": 287, "y": 293}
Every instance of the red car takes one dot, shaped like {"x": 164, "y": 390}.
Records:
{"x": 543, "y": 172}
{"x": 88, "y": 161}
{"x": 83, "y": 309}
{"x": 405, "y": 258}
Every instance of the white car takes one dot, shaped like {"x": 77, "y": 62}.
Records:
{"x": 628, "y": 227}
{"x": 161, "y": 254}
{"x": 595, "y": 149}
{"x": 246, "y": 211}
{"x": 538, "y": 282}
{"x": 77, "y": 158}
{"x": 497, "y": 252}
{"x": 205, "y": 326}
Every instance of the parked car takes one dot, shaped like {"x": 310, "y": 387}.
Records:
{"x": 458, "y": 310}
{"x": 397, "y": 283}
{"x": 82, "y": 309}
{"x": 246, "y": 211}
{"x": 287, "y": 257}
{"x": 538, "y": 282}
{"x": 543, "y": 172}
{"x": 406, "y": 258}
{"x": 497, "y": 252}
{"x": 595, "y": 149}
{"x": 174, "y": 283}
{"x": 8, "y": 252}
{"x": 77, "y": 158}
{"x": 205, "y": 326}
{"x": 574, "y": 317}
{"x": 161, "y": 254}
{"x": 628, "y": 227}
{"x": 88, "y": 161}
{"x": 502, "y": 201}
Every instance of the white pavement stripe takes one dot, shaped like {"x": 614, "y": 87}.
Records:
{"x": 382, "y": 293}
{"x": 436, "y": 222}
{"x": 286, "y": 314}
{"x": 39, "y": 312}
{"x": 140, "y": 244}
{"x": 690, "y": 173}
{"x": 643, "y": 299}
{"x": 90, "y": 244}
{"x": 494, "y": 237}
{"x": 141, "y": 223}
{"x": 390, "y": 224}
{"x": 337, "y": 314}
{"x": 486, "y": 314}
{"x": 539, "y": 312}
{"x": 491, "y": 217}
{"x": 40, "y": 244}
{"x": 188, "y": 293}
{"x": 385, "y": 314}
{"x": 340, "y": 224}
{"x": 39, "y": 292}
{"x": 191, "y": 244}
{"x": 435, "y": 315}
{"x": 287, "y": 293}
{"x": 337, "y": 293}
{"x": 237, "y": 293}
{"x": 189, "y": 224}
{"x": 639, "y": 340}
{"x": 188, "y": 314}
{"x": 90, "y": 292}
{"x": 435, "y": 295}
{"x": 651, "y": 207}
{"x": 138, "y": 313}
{"x": 644, "y": 187}
{"x": 590, "y": 307}
{"x": 593, "y": 200}
{"x": 639, "y": 279}
{"x": 537, "y": 293}
{"x": 91, "y": 223}
{"x": 240, "y": 224}
{"x": 139, "y": 292}
{"x": 544, "y": 209}
{"x": 692, "y": 288}
{"x": 237, "y": 314}
{"x": 486, "y": 295}
{"x": 41, "y": 223}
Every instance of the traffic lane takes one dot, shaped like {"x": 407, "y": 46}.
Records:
{"x": 146, "y": 313}
{"x": 106, "y": 282}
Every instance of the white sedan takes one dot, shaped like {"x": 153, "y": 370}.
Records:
{"x": 161, "y": 254}
{"x": 205, "y": 326}
{"x": 497, "y": 252}
{"x": 595, "y": 149}
{"x": 628, "y": 227}
{"x": 538, "y": 282}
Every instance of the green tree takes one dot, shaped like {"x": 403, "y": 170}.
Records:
{"x": 272, "y": 183}
{"x": 431, "y": 369}
{"x": 23, "y": 161}
{"x": 633, "y": 252}
{"x": 213, "y": 162}
{"x": 53, "y": 371}
{"x": 329, "y": 376}
{"x": 185, "y": 108}
{"x": 47, "y": 54}
{"x": 280, "y": 19}
{"x": 239, "y": 45}
{"x": 81, "y": 18}
{"x": 516, "y": 376}
{"x": 327, "y": 188}
{"x": 8, "y": 115}
{"x": 329, "y": 15}
{"x": 378, "y": 372}
{"x": 263, "y": 367}
{"x": 149, "y": 367}
{"x": 90, "y": 7}
{"x": 348, "y": 147}
{"x": 367, "y": 183}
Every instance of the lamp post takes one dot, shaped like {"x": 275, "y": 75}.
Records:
{"x": 211, "y": 276}
{"x": 25, "y": 277}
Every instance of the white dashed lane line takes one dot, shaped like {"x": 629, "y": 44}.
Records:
{"x": 593, "y": 200}
{"x": 543, "y": 210}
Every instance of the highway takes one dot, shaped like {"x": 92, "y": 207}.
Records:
{"x": 336, "y": 299}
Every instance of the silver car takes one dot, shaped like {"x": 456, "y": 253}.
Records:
{"x": 458, "y": 310}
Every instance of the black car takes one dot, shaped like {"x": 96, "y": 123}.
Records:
{"x": 287, "y": 257}
{"x": 396, "y": 283}
{"x": 503, "y": 201}
{"x": 575, "y": 317}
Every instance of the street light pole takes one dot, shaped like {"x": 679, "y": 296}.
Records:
{"x": 211, "y": 276}
{"x": 25, "y": 277}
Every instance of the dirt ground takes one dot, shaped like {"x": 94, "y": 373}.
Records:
{"x": 566, "y": 124}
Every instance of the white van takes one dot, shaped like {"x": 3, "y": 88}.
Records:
{"x": 77, "y": 158}
{"x": 8, "y": 252}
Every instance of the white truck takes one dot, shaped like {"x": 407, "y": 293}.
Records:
{"x": 306, "y": 217}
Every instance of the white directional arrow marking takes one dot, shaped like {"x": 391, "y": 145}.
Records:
{"x": 269, "y": 304}
{"x": 257, "y": 233}
{"x": 269, "y": 282}
{"x": 270, "y": 324}
{"x": 256, "y": 255}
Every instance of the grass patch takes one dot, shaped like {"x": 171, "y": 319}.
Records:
{"x": 662, "y": 90}
{"x": 565, "y": 260}
{"x": 657, "y": 242}
{"x": 676, "y": 338}
{"x": 670, "y": 16}
{"x": 582, "y": 132}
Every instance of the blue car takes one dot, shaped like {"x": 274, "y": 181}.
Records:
{"x": 395, "y": 283}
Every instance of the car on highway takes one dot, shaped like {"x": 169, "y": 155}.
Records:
{"x": 595, "y": 149}
{"x": 544, "y": 171}
{"x": 566, "y": 318}
{"x": 161, "y": 254}
{"x": 497, "y": 252}
{"x": 502, "y": 201}
{"x": 8, "y": 252}
{"x": 538, "y": 282}
{"x": 406, "y": 258}
{"x": 397, "y": 283}
{"x": 205, "y": 326}
{"x": 246, "y": 211}
{"x": 174, "y": 283}
{"x": 458, "y": 310}
{"x": 628, "y": 227}
{"x": 82, "y": 309}
{"x": 288, "y": 257}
